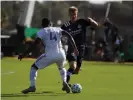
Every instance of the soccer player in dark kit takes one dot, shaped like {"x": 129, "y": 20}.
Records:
{"x": 77, "y": 28}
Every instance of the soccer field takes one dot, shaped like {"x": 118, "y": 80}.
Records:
{"x": 100, "y": 81}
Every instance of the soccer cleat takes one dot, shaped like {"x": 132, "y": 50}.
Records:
{"x": 63, "y": 88}
{"x": 30, "y": 89}
{"x": 70, "y": 85}
{"x": 66, "y": 87}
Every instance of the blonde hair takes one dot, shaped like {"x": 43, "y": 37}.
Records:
{"x": 73, "y": 9}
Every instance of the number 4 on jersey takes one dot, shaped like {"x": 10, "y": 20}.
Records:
{"x": 53, "y": 37}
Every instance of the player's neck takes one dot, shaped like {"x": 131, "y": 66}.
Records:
{"x": 73, "y": 21}
{"x": 45, "y": 26}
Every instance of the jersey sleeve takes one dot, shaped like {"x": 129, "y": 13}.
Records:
{"x": 63, "y": 27}
{"x": 85, "y": 22}
{"x": 40, "y": 34}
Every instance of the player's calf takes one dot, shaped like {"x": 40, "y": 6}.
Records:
{"x": 71, "y": 70}
{"x": 79, "y": 63}
{"x": 76, "y": 71}
{"x": 73, "y": 65}
{"x": 33, "y": 75}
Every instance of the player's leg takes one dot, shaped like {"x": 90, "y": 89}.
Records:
{"x": 79, "y": 63}
{"x": 65, "y": 47}
{"x": 41, "y": 62}
{"x": 79, "y": 58}
{"x": 33, "y": 75}
{"x": 72, "y": 65}
{"x": 63, "y": 74}
{"x": 60, "y": 63}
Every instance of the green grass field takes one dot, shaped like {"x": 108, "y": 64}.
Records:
{"x": 100, "y": 81}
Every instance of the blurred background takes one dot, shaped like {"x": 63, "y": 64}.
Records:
{"x": 21, "y": 20}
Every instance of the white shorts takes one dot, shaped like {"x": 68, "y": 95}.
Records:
{"x": 49, "y": 58}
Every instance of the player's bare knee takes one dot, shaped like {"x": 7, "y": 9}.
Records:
{"x": 73, "y": 64}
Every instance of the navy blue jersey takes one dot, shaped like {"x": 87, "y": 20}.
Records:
{"x": 77, "y": 29}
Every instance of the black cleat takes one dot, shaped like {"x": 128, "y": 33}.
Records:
{"x": 30, "y": 89}
{"x": 66, "y": 87}
{"x": 70, "y": 85}
{"x": 63, "y": 88}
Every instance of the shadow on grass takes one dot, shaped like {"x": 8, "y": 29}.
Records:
{"x": 43, "y": 93}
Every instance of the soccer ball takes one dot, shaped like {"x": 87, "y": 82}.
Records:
{"x": 76, "y": 88}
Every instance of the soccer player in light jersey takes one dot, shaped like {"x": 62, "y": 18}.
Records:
{"x": 54, "y": 53}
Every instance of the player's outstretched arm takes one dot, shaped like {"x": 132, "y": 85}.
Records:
{"x": 93, "y": 23}
{"x": 70, "y": 38}
{"x": 37, "y": 41}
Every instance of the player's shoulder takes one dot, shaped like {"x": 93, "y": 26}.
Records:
{"x": 56, "y": 28}
{"x": 81, "y": 20}
{"x": 43, "y": 30}
{"x": 47, "y": 29}
{"x": 84, "y": 21}
{"x": 66, "y": 24}
{"x": 40, "y": 31}
{"x": 53, "y": 29}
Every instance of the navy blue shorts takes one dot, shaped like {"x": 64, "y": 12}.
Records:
{"x": 72, "y": 57}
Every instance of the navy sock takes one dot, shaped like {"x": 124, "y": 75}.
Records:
{"x": 69, "y": 73}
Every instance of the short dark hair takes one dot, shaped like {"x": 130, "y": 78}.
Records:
{"x": 45, "y": 22}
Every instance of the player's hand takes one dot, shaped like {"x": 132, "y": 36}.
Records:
{"x": 20, "y": 57}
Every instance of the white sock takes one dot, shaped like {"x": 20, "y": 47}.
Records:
{"x": 63, "y": 74}
{"x": 33, "y": 75}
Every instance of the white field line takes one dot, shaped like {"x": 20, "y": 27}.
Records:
{"x": 7, "y": 73}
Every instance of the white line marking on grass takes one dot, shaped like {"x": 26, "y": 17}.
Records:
{"x": 7, "y": 73}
